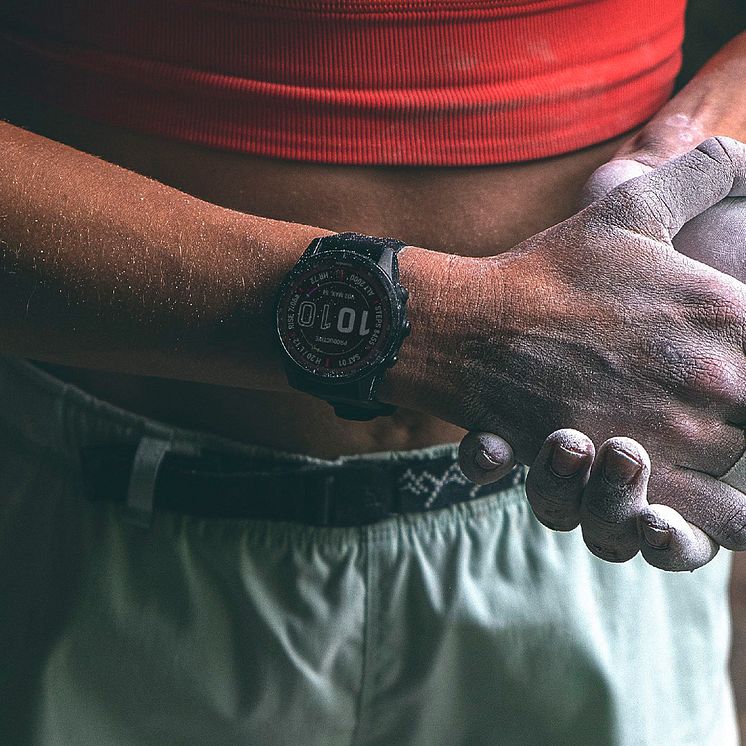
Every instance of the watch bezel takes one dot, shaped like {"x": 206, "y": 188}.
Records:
{"x": 396, "y": 306}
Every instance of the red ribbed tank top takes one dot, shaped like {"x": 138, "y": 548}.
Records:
{"x": 420, "y": 82}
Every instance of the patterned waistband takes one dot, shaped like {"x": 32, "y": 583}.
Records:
{"x": 161, "y": 475}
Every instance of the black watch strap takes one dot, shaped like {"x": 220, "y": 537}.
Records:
{"x": 351, "y": 401}
{"x": 382, "y": 251}
{"x": 355, "y": 400}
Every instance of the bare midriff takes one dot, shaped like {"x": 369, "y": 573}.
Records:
{"x": 471, "y": 211}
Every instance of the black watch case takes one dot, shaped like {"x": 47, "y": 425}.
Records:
{"x": 341, "y": 319}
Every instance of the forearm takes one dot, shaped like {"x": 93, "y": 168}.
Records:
{"x": 102, "y": 267}
{"x": 712, "y": 103}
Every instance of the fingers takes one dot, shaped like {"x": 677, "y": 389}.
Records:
{"x": 611, "y": 505}
{"x": 660, "y": 202}
{"x": 716, "y": 238}
{"x": 614, "y": 497}
{"x": 556, "y": 479}
{"x": 693, "y": 515}
{"x": 714, "y": 506}
{"x": 484, "y": 457}
{"x": 668, "y": 542}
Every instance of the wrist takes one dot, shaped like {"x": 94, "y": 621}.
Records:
{"x": 448, "y": 299}
{"x": 419, "y": 273}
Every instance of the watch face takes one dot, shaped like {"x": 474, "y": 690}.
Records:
{"x": 335, "y": 317}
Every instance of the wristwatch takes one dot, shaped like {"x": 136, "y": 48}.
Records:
{"x": 341, "y": 319}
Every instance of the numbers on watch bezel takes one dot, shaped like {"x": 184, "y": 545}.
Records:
{"x": 339, "y": 316}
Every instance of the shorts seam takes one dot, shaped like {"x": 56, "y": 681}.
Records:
{"x": 364, "y": 694}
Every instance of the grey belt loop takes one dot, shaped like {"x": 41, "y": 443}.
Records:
{"x": 145, "y": 467}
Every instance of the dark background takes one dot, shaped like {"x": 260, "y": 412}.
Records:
{"x": 709, "y": 24}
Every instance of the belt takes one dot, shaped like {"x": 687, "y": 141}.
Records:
{"x": 158, "y": 476}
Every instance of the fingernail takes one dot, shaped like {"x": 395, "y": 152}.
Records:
{"x": 619, "y": 468}
{"x": 485, "y": 460}
{"x": 565, "y": 461}
{"x": 658, "y": 538}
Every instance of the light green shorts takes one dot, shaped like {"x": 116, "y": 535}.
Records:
{"x": 470, "y": 625}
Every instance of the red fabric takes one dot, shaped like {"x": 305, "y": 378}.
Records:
{"x": 422, "y": 82}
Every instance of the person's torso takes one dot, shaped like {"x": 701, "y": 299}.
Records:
{"x": 401, "y": 95}
{"x": 474, "y": 211}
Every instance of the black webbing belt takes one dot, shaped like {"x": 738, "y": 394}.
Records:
{"x": 220, "y": 485}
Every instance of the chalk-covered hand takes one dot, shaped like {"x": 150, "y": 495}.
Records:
{"x": 608, "y": 495}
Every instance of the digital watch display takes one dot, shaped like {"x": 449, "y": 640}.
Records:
{"x": 341, "y": 318}
{"x": 336, "y": 320}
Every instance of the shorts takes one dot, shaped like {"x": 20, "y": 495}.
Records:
{"x": 468, "y": 625}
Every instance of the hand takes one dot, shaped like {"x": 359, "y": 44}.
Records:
{"x": 715, "y": 238}
{"x": 666, "y": 357}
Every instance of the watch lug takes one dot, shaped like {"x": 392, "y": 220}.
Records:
{"x": 295, "y": 377}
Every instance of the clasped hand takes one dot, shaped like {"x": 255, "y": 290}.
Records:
{"x": 646, "y": 341}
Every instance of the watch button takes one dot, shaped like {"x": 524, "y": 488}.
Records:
{"x": 392, "y": 361}
{"x": 407, "y": 328}
{"x": 404, "y": 294}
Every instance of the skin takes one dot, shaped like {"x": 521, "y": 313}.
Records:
{"x": 562, "y": 499}
{"x": 674, "y": 370}
{"x": 93, "y": 301}
{"x": 141, "y": 322}
{"x": 666, "y": 539}
{"x": 241, "y": 405}
{"x": 566, "y": 495}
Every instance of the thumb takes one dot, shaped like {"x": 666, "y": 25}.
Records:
{"x": 485, "y": 457}
{"x": 611, "y": 175}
